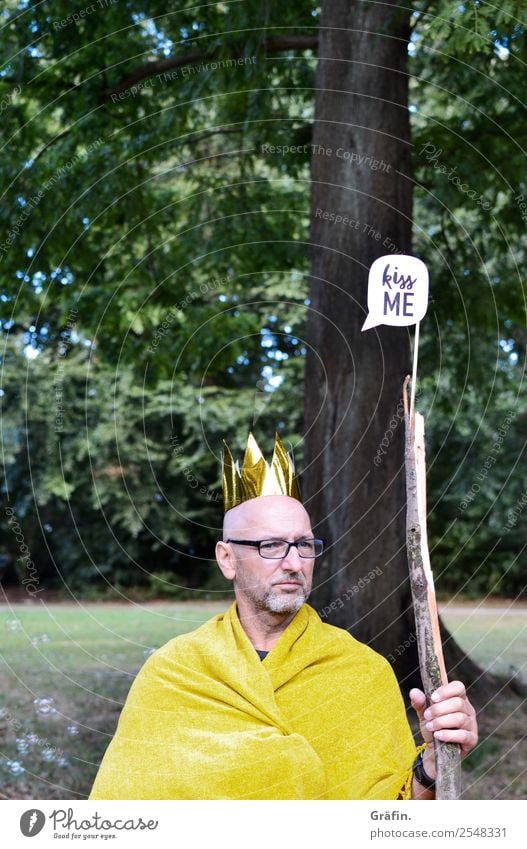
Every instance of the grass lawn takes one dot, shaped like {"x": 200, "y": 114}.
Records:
{"x": 494, "y": 635}
{"x": 65, "y": 670}
{"x": 83, "y": 658}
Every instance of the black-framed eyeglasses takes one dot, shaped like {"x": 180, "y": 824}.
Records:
{"x": 277, "y": 549}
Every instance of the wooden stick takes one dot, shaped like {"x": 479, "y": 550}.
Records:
{"x": 414, "y": 371}
{"x": 431, "y": 662}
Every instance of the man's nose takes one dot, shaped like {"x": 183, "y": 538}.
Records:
{"x": 292, "y": 560}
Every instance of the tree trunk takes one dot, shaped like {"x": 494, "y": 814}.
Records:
{"x": 354, "y": 479}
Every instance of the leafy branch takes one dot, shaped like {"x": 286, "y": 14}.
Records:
{"x": 276, "y": 44}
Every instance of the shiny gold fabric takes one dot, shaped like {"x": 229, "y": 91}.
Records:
{"x": 320, "y": 718}
{"x": 256, "y": 477}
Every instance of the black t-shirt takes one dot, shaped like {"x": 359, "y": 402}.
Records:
{"x": 261, "y": 653}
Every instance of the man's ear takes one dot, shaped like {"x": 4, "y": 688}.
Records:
{"x": 225, "y": 560}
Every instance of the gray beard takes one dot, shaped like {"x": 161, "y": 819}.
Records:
{"x": 283, "y": 603}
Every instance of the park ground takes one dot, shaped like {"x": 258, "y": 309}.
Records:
{"x": 66, "y": 668}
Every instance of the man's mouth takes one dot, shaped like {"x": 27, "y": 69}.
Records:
{"x": 287, "y": 584}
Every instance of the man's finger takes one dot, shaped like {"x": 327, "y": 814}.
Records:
{"x": 466, "y": 739}
{"x": 452, "y": 705}
{"x": 450, "y": 690}
{"x": 449, "y": 720}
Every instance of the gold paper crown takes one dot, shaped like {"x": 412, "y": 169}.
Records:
{"x": 257, "y": 477}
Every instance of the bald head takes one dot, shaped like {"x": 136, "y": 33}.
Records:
{"x": 270, "y": 516}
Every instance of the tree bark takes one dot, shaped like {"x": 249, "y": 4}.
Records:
{"x": 354, "y": 379}
{"x": 354, "y": 479}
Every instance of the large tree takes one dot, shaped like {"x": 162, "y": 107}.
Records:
{"x": 361, "y": 201}
{"x": 361, "y": 208}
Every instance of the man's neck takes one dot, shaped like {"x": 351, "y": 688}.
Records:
{"x": 264, "y": 628}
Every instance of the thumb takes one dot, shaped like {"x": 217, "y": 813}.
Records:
{"x": 418, "y": 701}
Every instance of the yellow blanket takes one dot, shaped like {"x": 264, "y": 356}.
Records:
{"x": 320, "y": 718}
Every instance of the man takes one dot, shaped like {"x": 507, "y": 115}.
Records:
{"x": 266, "y": 701}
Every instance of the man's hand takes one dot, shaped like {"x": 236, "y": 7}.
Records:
{"x": 450, "y": 718}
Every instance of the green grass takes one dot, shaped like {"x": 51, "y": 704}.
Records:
{"x": 495, "y": 637}
{"x": 85, "y": 657}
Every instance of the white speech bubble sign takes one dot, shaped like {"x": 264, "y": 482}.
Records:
{"x": 397, "y": 291}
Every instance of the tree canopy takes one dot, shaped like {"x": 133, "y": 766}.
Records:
{"x": 155, "y": 258}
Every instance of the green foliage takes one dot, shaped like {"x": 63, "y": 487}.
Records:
{"x": 154, "y": 258}
{"x": 468, "y": 136}
{"x": 162, "y": 269}
{"x": 464, "y": 30}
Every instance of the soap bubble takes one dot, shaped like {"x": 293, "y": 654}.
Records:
{"x": 72, "y": 730}
{"x": 12, "y": 624}
{"x": 32, "y": 738}
{"x": 15, "y": 767}
{"x": 44, "y": 706}
{"x": 48, "y": 755}
{"x": 22, "y": 745}
{"x": 40, "y": 638}
{"x": 63, "y": 762}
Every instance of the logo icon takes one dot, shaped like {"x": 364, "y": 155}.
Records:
{"x": 32, "y": 822}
